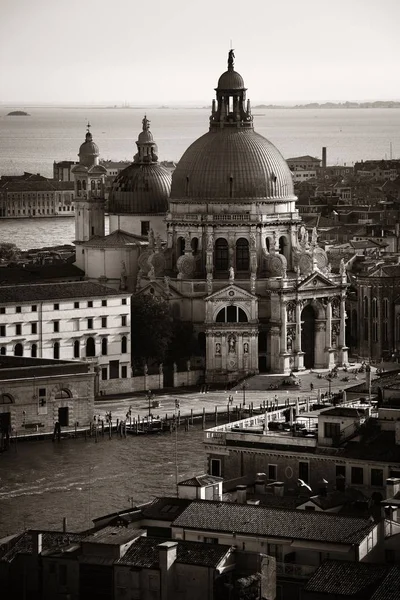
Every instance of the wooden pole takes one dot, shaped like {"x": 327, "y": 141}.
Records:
{"x": 191, "y": 416}
{"x": 216, "y": 416}
{"x": 229, "y": 415}
{"x": 204, "y": 418}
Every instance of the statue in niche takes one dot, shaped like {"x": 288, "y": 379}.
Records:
{"x": 290, "y": 337}
{"x": 210, "y": 242}
{"x": 231, "y": 274}
{"x": 253, "y": 241}
{"x": 232, "y": 344}
{"x": 291, "y": 312}
{"x": 218, "y": 349}
{"x": 336, "y": 308}
{"x": 246, "y": 348}
{"x": 303, "y": 236}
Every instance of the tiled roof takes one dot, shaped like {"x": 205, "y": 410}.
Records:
{"x": 389, "y": 589}
{"x": 201, "y": 480}
{"x": 39, "y": 273}
{"x": 345, "y": 578}
{"x": 273, "y": 522}
{"x": 165, "y": 509}
{"x": 381, "y": 448}
{"x": 43, "y": 185}
{"x": 112, "y": 535}
{"x": 51, "y": 540}
{"x": 144, "y": 553}
{"x": 117, "y": 239}
{"x": 340, "y": 411}
{"x": 54, "y": 291}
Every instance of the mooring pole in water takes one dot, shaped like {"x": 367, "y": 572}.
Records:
{"x": 204, "y": 417}
{"x": 216, "y": 416}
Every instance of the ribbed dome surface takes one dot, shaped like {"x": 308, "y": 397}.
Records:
{"x": 88, "y": 148}
{"x": 230, "y": 80}
{"x": 140, "y": 189}
{"x": 232, "y": 163}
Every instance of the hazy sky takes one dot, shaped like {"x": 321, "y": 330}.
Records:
{"x": 164, "y": 51}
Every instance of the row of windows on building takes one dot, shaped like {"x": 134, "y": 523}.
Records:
{"x": 357, "y": 474}
{"x": 90, "y": 348}
{"x": 56, "y": 306}
{"x": 76, "y": 326}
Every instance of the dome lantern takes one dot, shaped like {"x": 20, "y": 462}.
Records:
{"x": 231, "y": 109}
{"x": 147, "y": 148}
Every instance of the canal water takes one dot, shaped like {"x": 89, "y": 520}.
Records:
{"x": 42, "y": 482}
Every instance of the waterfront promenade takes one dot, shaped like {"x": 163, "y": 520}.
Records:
{"x": 194, "y": 401}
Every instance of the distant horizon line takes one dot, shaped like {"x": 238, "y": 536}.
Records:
{"x": 188, "y": 104}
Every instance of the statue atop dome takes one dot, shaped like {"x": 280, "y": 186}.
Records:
{"x": 231, "y": 58}
{"x": 145, "y": 123}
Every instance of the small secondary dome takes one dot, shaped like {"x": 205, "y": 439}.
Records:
{"x": 144, "y": 186}
{"x": 88, "y": 151}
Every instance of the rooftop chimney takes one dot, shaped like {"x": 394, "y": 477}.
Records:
{"x": 37, "y": 543}
{"x": 279, "y": 488}
{"x": 167, "y": 552}
{"x": 259, "y": 486}
{"x": 241, "y": 494}
{"x": 324, "y": 157}
{"x": 392, "y": 486}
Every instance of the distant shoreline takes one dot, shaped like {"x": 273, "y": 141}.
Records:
{"x": 310, "y": 105}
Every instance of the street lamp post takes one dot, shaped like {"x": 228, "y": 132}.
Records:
{"x": 244, "y": 394}
{"x": 149, "y": 395}
{"x": 329, "y": 387}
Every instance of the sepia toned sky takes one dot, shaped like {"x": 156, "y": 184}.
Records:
{"x": 173, "y": 51}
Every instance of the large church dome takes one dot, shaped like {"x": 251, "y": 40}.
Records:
{"x": 144, "y": 186}
{"x": 231, "y": 161}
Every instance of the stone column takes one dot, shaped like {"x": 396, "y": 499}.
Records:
{"x": 330, "y": 352}
{"x": 283, "y": 328}
{"x": 299, "y": 357}
{"x": 342, "y": 335}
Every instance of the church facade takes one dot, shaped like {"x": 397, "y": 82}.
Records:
{"x": 234, "y": 257}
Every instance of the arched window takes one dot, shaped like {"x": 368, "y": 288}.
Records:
{"x": 56, "y": 350}
{"x": 181, "y": 246}
{"x": 90, "y": 347}
{"x": 62, "y": 394}
{"x": 124, "y": 344}
{"x": 79, "y": 187}
{"x": 374, "y": 308}
{"x": 231, "y": 314}
{"x": 267, "y": 244}
{"x": 242, "y": 255}
{"x": 99, "y": 184}
{"x": 84, "y": 185}
{"x": 221, "y": 255}
{"x": 93, "y": 185}
{"x": 76, "y": 349}
{"x": 385, "y": 308}
{"x": 194, "y": 244}
{"x": 365, "y": 308}
{"x": 34, "y": 350}
{"x": 6, "y": 399}
{"x": 18, "y": 350}
{"x": 104, "y": 346}
{"x": 3, "y": 350}
{"x": 283, "y": 245}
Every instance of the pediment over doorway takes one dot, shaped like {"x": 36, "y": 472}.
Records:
{"x": 316, "y": 281}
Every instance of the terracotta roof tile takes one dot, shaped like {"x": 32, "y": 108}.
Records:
{"x": 54, "y": 291}
{"x": 273, "y": 522}
{"x": 344, "y": 578}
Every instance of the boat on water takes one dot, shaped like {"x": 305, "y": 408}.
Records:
{"x": 145, "y": 426}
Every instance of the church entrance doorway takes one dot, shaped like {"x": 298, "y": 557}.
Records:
{"x": 308, "y": 336}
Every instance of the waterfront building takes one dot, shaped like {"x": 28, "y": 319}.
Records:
{"x": 33, "y": 196}
{"x": 71, "y": 321}
{"x": 306, "y": 163}
{"x": 35, "y": 393}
